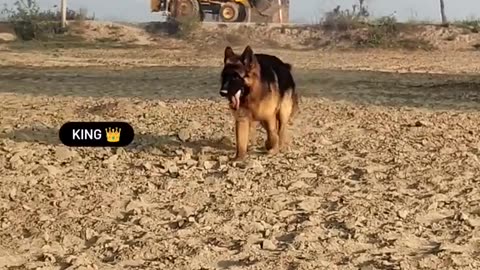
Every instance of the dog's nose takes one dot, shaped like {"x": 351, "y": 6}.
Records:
{"x": 223, "y": 92}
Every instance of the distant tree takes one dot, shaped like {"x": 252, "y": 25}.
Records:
{"x": 442, "y": 11}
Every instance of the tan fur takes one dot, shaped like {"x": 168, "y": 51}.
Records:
{"x": 265, "y": 106}
{"x": 285, "y": 113}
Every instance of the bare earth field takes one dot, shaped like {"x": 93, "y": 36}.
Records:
{"x": 383, "y": 172}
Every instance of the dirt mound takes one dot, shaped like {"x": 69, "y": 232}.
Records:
{"x": 211, "y": 36}
{"x": 403, "y": 36}
{"x": 7, "y": 33}
{"x": 449, "y": 38}
{"x": 95, "y": 31}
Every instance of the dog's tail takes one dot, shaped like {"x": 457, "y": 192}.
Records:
{"x": 295, "y": 109}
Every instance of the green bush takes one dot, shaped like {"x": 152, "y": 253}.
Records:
{"x": 29, "y": 22}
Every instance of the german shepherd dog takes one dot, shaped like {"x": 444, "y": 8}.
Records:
{"x": 260, "y": 88}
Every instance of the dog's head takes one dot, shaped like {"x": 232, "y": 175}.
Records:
{"x": 237, "y": 75}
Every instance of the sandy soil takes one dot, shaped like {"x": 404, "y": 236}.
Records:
{"x": 383, "y": 172}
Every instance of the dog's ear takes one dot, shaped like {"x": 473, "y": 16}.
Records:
{"x": 248, "y": 58}
{"x": 228, "y": 54}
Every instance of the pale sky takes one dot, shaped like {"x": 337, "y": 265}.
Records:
{"x": 300, "y": 10}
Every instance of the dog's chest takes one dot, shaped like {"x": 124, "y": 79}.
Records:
{"x": 261, "y": 109}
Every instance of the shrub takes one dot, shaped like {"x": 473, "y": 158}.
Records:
{"x": 29, "y": 22}
{"x": 382, "y": 33}
{"x": 344, "y": 20}
{"x": 472, "y": 24}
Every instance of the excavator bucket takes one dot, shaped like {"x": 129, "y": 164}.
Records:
{"x": 269, "y": 8}
{"x": 262, "y": 5}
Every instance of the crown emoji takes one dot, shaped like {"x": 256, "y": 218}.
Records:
{"x": 113, "y": 134}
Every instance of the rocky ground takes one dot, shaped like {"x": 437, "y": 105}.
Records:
{"x": 382, "y": 174}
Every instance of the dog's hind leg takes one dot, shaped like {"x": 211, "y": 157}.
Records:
{"x": 283, "y": 116}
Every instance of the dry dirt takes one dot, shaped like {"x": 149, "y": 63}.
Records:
{"x": 383, "y": 171}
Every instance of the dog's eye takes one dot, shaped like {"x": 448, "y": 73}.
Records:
{"x": 238, "y": 77}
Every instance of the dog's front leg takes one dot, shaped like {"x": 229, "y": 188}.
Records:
{"x": 242, "y": 127}
{"x": 253, "y": 133}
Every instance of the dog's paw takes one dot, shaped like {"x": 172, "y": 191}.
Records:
{"x": 239, "y": 157}
{"x": 273, "y": 151}
{"x": 269, "y": 144}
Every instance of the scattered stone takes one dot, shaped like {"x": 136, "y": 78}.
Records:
{"x": 56, "y": 194}
{"x": 422, "y": 123}
{"x": 147, "y": 165}
{"x": 183, "y": 135}
{"x": 13, "y": 194}
{"x": 258, "y": 226}
{"x": 191, "y": 162}
{"x": 120, "y": 152}
{"x": 373, "y": 169}
{"x": 268, "y": 245}
{"x": 46, "y": 236}
{"x": 170, "y": 167}
{"x": 89, "y": 234}
{"x": 49, "y": 258}
{"x": 324, "y": 141}
{"x": 111, "y": 160}
{"x": 63, "y": 204}
{"x": 52, "y": 170}
{"x": 195, "y": 125}
{"x": 310, "y": 204}
{"x": 173, "y": 169}
{"x": 298, "y": 185}
{"x": 233, "y": 174}
{"x": 255, "y": 165}
{"x": 285, "y": 213}
{"x": 131, "y": 263}
{"x": 16, "y": 161}
{"x": 223, "y": 159}
{"x": 133, "y": 206}
{"x": 62, "y": 153}
{"x": 471, "y": 221}
{"x": 45, "y": 218}
{"x": 307, "y": 175}
{"x": 433, "y": 216}
{"x": 187, "y": 155}
{"x": 186, "y": 211}
{"x": 402, "y": 214}
{"x": 209, "y": 164}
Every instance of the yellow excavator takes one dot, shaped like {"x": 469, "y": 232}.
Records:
{"x": 221, "y": 10}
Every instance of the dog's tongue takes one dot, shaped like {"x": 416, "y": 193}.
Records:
{"x": 236, "y": 100}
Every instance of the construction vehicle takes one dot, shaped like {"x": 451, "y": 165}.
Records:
{"x": 223, "y": 10}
